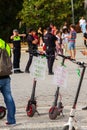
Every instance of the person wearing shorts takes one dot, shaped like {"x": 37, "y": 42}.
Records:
{"x": 71, "y": 44}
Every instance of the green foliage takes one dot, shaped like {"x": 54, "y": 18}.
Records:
{"x": 41, "y": 12}
{"x": 36, "y": 13}
{"x": 8, "y": 13}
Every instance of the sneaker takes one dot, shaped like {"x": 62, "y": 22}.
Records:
{"x": 27, "y": 71}
{"x": 84, "y": 108}
{"x": 10, "y": 124}
{"x": 52, "y": 73}
{"x": 18, "y": 71}
{"x": 15, "y": 71}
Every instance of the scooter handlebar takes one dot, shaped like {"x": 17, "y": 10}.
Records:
{"x": 83, "y": 64}
{"x": 65, "y": 57}
{"x": 38, "y": 53}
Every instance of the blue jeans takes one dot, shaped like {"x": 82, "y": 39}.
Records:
{"x": 71, "y": 45}
{"x": 6, "y": 92}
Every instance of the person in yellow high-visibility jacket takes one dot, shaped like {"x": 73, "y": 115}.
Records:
{"x": 16, "y": 38}
{"x": 6, "y": 90}
{"x": 5, "y": 45}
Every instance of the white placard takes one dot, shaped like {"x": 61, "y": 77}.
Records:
{"x": 60, "y": 76}
{"x": 38, "y": 67}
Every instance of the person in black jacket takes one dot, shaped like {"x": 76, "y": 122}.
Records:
{"x": 32, "y": 44}
{"x": 50, "y": 41}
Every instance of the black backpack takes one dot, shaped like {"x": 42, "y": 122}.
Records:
{"x": 5, "y": 62}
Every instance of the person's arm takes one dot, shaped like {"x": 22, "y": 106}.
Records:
{"x": 84, "y": 52}
{"x": 12, "y": 37}
{"x": 32, "y": 40}
{"x": 69, "y": 36}
{"x": 35, "y": 41}
{"x": 22, "y": 35}
{"x": 84, "y": 37}
{"x": 57, "y": 44}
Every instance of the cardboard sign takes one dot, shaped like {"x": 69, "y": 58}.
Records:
{"x": 38, "y": 67}
{"x": 60, "y": 76}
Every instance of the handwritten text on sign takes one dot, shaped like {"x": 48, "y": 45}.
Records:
{"x": 60, "y": 76}
{"x": 38, "y": 68}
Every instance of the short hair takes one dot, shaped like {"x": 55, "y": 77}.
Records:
{"x": 30, "y": 30}
{"x": 15, "y": 30}
{"x": 49, "y": 29}
{"x": 73, "y": 26}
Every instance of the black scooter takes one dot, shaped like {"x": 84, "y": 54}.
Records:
{"x": 57, "y": 107}
{"x": 32, "y": 103}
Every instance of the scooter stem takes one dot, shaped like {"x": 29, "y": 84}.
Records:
{"x": 79, "y": 87}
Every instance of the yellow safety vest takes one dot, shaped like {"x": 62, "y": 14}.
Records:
{"x": 4, "y": 45}
{"x": 16, "y": 38}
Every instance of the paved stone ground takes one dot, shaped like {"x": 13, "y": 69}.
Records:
{"x": 45, "y": 90}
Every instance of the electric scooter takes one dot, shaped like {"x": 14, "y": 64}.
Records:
{"x": 57, "y": 107}
{"x": 32, "y": 103}
{"x": 72, "y": 120}
{"x": 2, "y": 112}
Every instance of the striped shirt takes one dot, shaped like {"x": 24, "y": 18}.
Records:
{"x": 73, "y": 36}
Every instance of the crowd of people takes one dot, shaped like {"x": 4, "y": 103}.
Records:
{"x": 53, "y": 41}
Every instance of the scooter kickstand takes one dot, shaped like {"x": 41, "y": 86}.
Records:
{"x": 62, "y": 114}
{"x": 37, "y": 112}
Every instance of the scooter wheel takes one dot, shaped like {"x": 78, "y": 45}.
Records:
{"x": 67, "y": 128}
{"x": 2, "y": 112}
{"x": 31, "y": 110}
{"x": 53, "y": 112}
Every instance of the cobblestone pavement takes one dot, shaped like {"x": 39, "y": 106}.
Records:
{"x": 45, "y": 90}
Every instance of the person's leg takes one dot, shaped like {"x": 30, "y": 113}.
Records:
{"x": 48, "y": 62}
{"x": 14, "y": 59}
{"x": 65, "y": 48}
{"x": 18, "y": 61}
{"x": 70, "y": 53}
{"x": 6, "y": 91}
{"x": 18, "y": 58}
{"x": 29, "y": 63}
{"x": 51, "y": 62}
{"x": 73, "y": 53}
{"x": 73, "y": 50}
{"x": 69, "y": 49}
